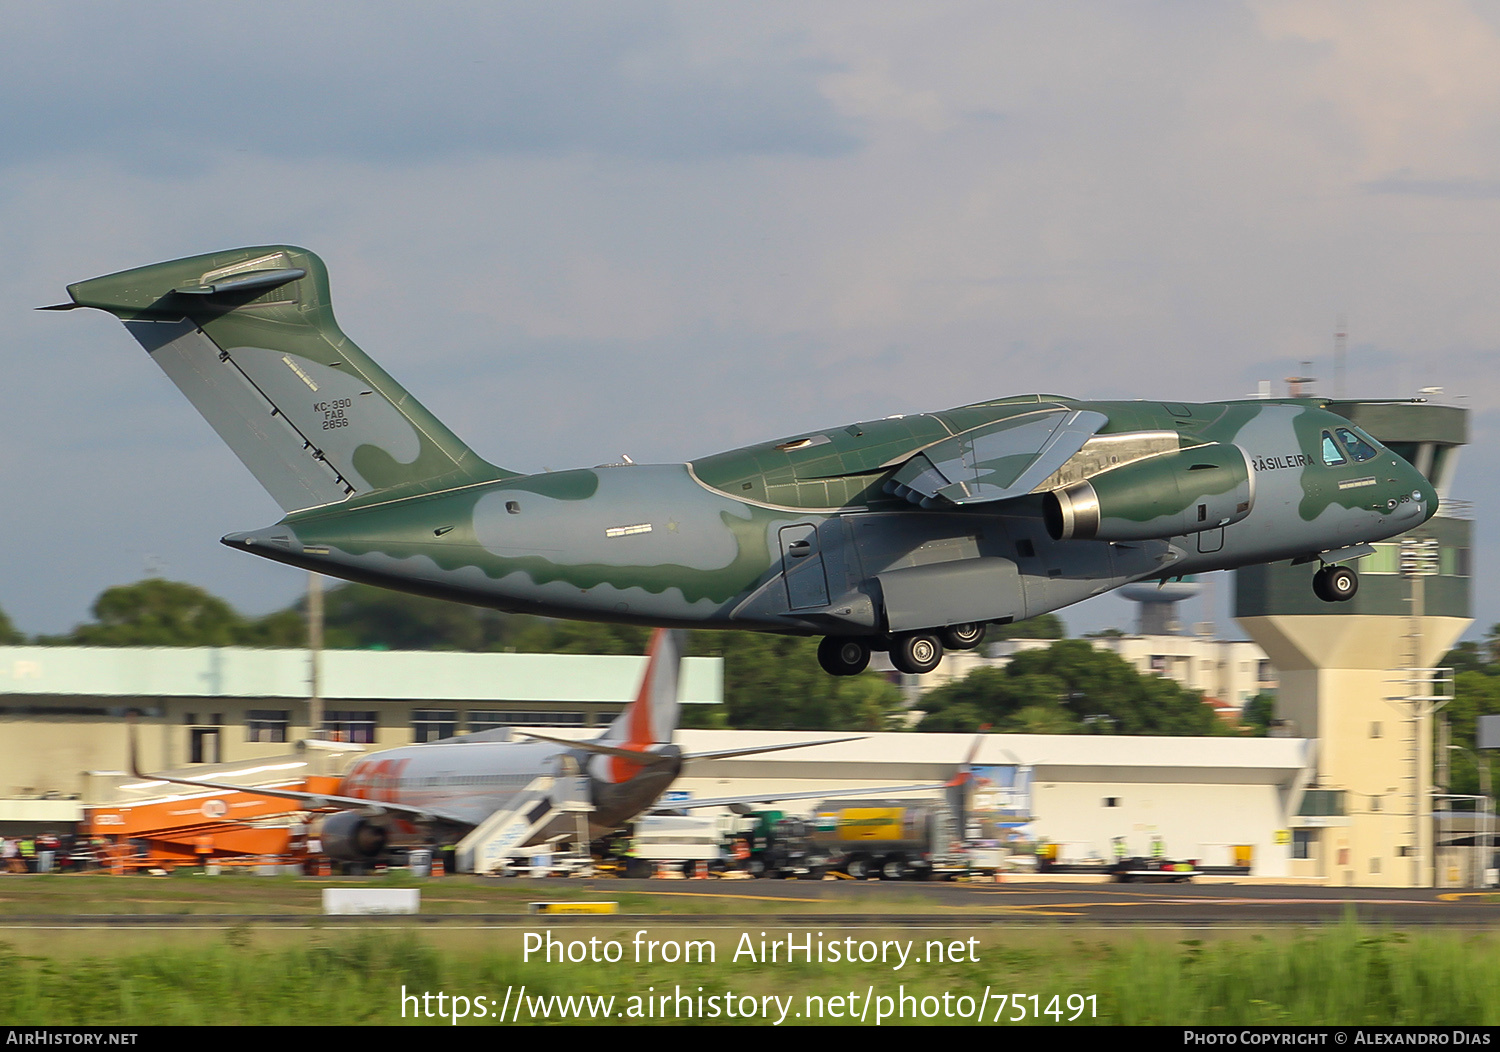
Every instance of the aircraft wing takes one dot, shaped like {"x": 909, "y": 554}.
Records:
{"x": 962, "y": 777}
{"x": 633, "y": 755}
{"x": 640, "y": 757}
{"x": 995, "y": 462}
{"x": 724, "y": 753}
{"x": 733, "y": 802}
{"x": 312, "y": 801}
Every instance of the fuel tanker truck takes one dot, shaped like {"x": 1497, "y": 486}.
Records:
{"x": 892, "y": 839}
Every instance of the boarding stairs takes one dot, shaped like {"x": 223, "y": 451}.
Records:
{"x": 511, "y": 831}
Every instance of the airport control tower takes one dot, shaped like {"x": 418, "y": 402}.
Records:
{"x": 1356, "y": 675}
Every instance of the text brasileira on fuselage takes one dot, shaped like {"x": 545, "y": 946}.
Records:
{"x": 907, "y": 534}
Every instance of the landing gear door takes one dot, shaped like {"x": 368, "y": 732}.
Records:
{"x": 802, "y": 567}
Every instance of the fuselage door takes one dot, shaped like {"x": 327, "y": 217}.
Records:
{"x": 1211, "y": 541}
{"x": 802, "y": 566}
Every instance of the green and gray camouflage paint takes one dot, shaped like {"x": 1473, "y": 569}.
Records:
{"x": 873, "y": 530}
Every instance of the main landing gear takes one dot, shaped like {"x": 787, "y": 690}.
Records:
{"x": 1335, "y": 584}
{"x": 914, "y": 653}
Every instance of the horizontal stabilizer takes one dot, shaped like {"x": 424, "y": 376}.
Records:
{"x": 995, "y": 462}
{"x": 256, "y": 279}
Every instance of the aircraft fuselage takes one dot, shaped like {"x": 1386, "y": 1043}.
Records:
{"x": 907, "y": 533}
{"x": 802, "y": 538}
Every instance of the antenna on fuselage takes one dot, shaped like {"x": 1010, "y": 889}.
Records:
{"x": 1340, "y": 348}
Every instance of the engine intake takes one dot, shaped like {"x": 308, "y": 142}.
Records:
{"x": 351, "y": 837}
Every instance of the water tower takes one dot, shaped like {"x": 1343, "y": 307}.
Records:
{"x": 1157, "y": 613}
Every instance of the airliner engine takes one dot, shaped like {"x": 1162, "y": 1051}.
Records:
{"x": 352, "y": 837}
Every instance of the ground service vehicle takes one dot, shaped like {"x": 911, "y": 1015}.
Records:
{"x": 782, "y": 845}
{"x": 891, "y": 839}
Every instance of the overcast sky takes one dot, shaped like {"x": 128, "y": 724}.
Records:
{"x": 576, "y": 230}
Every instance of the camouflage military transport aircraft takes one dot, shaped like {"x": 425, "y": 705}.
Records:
{"x": 906, "y": 534}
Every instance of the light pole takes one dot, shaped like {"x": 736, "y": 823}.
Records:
{"x": 1486, "y": 817}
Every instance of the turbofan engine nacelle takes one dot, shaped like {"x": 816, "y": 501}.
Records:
{"x": 1169, "y": 495}
{"x": 351, "y": 837}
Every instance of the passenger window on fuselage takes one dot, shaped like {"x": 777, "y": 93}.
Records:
{"x": 1332, "y": 455}
{"x": 1358, "y": 448}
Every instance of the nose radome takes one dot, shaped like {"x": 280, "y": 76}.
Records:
{"x": 1424, "y": 498}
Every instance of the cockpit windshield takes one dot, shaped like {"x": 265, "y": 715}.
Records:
{"x": 1360, "y": 447}
{"x": 1332, "y": 455}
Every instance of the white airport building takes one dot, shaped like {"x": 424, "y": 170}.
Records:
{"x": 214, "y": 710}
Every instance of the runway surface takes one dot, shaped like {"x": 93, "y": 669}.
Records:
{"x": 873, "y": 903}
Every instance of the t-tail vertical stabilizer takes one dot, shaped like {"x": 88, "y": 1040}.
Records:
{"x": 250, "y": 338}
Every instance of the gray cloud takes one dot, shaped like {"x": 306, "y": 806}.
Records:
{"x": 576, "y": 230}
{"x": 1445, "y": 189}
{"x": 158, "y": 86}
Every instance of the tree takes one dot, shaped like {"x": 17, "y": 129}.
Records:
{"x": 1257, "y": 715}
{"x": 537, "y": 635}
{"x": 158, "y": 613}
{"x": 1065, "y": 689}
{"x": 8, "y": 634}
{"x": 774, "y": 682}
{"x": 362, "y": 616}
{"x": 1043, "y": 626}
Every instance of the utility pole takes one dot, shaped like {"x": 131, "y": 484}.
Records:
{"x": 315, "y": 655}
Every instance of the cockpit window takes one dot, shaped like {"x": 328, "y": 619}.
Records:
{"x": 1332, "y": 455}
{"x": 1358, "y": 448}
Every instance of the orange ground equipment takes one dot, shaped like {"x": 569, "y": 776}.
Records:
{"x": 219, "y": 826}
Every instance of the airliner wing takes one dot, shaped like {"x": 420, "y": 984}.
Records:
{"x": 732, "y": 802}
{"x": 633, "y": 755}
{"x": 960, "y": 782}
{"x": 723, "y": 753}
{"x": 639, "y": 757}
{"x": 311, "y": 801}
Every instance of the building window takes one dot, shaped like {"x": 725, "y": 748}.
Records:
{"x": 357, "y": 727}
{"x": 494, "y": 719}
{"x": 1375, "y": 730}
{"x": 267, "y": 725}
{"x": 430, "y": 725}
{"x": 1375, "y": 805}
{"x": 203, "y": 745}
{"x": 1305, "y": 843}
{"x": 1322, "y": 803}
{"x": 1111, "y": 801}
{"x": 1374, "y": 865}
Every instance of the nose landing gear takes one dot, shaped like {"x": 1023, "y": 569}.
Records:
{"x": 1335, "y": 584}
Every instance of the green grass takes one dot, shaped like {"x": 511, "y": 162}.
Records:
{"x": 1341, "y": 975}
